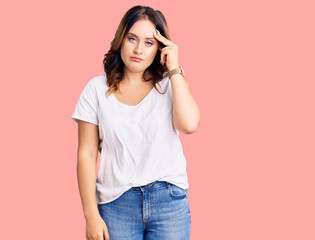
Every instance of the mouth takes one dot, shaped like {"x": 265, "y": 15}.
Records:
{"x": 136, "y": 59}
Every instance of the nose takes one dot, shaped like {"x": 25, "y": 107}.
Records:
{"x": 138, "y": 49}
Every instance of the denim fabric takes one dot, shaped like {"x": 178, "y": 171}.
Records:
{"x": 158, "y": 211}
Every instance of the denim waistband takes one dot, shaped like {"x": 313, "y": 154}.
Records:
{"x": 154, "y": 184}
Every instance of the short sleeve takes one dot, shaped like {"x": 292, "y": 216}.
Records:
{"x": 86, "y": 108}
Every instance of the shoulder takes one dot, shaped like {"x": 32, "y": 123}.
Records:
{"x": 98, "y": 80}
{"x": 97, "y": 83}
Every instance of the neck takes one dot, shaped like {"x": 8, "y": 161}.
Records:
{"x": 133, "y": 78}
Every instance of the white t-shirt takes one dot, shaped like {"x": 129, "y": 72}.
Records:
{"x": 138, "y": 144}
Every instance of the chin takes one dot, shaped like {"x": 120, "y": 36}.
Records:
{"x": 137, "y": 69}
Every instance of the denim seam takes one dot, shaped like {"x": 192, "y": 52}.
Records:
{"x": 175, "y": 196}
{"x": 150, "y": 212}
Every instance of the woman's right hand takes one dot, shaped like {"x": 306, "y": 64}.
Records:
{"x": 96, "y": 229}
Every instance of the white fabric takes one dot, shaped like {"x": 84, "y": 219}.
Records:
{"x": 138, "y": 144}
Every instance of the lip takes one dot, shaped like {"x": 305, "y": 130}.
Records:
{"x": 136, "y": 59}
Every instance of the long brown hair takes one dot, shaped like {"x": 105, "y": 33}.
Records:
{"x": 114, "y": 65}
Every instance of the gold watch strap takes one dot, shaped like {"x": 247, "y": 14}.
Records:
{"x": 174, "y": 71}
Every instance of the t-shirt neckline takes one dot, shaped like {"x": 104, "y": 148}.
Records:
{"x": 133, "y": 106}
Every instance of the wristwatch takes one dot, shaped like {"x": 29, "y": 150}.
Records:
{"x": 177, "y": 70}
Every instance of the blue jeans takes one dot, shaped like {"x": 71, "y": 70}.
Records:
{"x": 158, "y": 211}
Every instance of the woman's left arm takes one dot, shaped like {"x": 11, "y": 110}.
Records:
{"x": 186, "y": 113}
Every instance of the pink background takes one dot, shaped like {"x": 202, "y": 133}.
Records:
{"x": 250, "y": 67}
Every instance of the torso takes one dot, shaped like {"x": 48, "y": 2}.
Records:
{"x": 133, "y": 95}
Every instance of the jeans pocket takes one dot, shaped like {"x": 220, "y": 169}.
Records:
{"x": 176, "y": 191}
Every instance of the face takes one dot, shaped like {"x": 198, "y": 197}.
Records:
{"x": 139, "y": 42}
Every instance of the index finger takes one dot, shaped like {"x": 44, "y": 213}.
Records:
{"x": 161, "y": 38}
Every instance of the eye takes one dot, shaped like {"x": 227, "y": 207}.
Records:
{"x": 130, "y": 38}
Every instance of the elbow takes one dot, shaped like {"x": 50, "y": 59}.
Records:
{"x": 193, "y": 128}
{"x": 189, "y": 129}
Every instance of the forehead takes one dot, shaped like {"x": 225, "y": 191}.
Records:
{"x": 142, "y": 29}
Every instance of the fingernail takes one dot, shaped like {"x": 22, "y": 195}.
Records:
{"x": 157, "y": 31}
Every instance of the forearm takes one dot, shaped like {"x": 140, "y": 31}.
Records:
{"x": 86, "y": 168}
{"x": 186, "y": 113}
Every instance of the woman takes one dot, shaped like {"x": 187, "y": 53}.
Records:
{"x": 141, "y": 188}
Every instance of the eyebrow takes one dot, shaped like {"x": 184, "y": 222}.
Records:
{"x": 137, "y": 36}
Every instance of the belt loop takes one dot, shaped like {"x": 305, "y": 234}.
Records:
{"x": 168, "y": 186}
